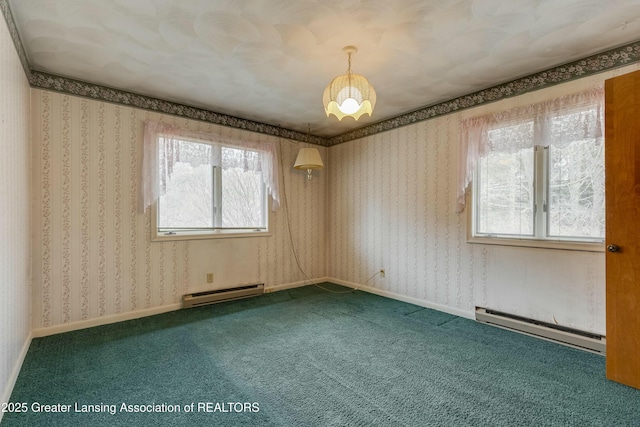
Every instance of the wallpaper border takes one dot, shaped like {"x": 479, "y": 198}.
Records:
{"x": 594, "y": 64}
{"x": 42, "y": 80}
{"x": 598, "y": 63}
{"x": 15, "y": 36}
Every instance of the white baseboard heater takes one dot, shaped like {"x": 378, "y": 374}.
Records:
{"x": 221, "y": 295}
{"x": 549, "y": 331}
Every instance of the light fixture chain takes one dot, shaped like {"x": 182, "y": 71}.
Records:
{"x": 349, "y": 76}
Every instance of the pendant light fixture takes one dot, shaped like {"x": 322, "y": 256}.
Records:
{"x": 349, "y": 95}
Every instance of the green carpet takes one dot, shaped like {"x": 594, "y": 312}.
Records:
{"x": 305, "y": 357}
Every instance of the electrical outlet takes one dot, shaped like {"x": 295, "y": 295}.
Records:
{"x": 209, "y": 277}
{"x": 382, "y": 273}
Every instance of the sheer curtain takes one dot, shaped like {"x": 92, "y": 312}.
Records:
{"x": 557, "y": 122}
{"x": 157, "y": 165}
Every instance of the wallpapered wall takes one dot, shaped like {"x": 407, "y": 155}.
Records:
{"x": 392, "y": 206}
{"x": 384, "y": 201}
{"x": 15, "y": 303}
{"x": 92, "y": 256}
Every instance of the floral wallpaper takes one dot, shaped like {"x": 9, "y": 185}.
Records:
{"x": 93, "y": 256}
{"x": 15, "y": 218}
{"x": 392, "y": 206}
{"x": 383, "y": 201}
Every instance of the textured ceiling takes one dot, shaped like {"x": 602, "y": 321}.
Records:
{"x": 270, "y": 60}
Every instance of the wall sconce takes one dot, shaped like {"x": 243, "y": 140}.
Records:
{"x": 309, "y": 159}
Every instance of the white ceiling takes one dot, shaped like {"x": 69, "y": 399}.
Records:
{"x": 270, "y": 60}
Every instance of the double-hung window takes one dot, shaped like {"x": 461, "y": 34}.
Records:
{"x": 207, "y": 187}
{"x": 538, "y": 175}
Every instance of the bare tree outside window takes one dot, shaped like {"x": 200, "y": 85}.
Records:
{"x": 576, "y": 190}
{"x": 188, "y": 201}
{"x": 505, "y": 193}
{"x": 551, "y": 191}
{"x": 208, "y": 186}
{"x": 242, "y": 198}
{"x": 538, "y": 173}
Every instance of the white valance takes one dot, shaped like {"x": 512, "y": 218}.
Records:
{"x": 155, "y": 173}
{"x": 557, "y": 122}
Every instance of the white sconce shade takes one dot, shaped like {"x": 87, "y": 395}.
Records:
{"x": 350, "y": 94}
{"x": 309, "y": 159}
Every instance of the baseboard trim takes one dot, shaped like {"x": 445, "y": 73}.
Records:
{"x": 293, "y": 285}
{"x": 99, "y": 321}
{"x": 411, "y": 300}
{"x": 8, "y": 389}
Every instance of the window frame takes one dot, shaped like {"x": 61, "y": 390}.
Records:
{"x": 540, "y": 216}
{"x": 174, "y": 234}
{"x": 528, "y": 242}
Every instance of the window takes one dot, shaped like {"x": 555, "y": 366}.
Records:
{"x": 204, "y": 188}
{"x": 538, "y": 178}
{"x": 203, "y": 197}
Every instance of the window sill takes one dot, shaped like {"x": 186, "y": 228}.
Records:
{"x": 205, "y": 235}
{"x": 537, "y": 243}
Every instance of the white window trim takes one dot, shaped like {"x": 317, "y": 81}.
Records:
{"x": 474, "y": 141}
{"x": 473, "y": 146}
{"x": 220, "y": 233}
{"x": 558, "y": 244}
{"x": 157, "y": 236}
{"x": 149, "y": 192}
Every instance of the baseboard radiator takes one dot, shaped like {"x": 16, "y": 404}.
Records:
{"x": 549, "y": 331}
{"x": 221, "y": 295}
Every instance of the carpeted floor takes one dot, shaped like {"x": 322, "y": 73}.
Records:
{"x": 305, "y": 357}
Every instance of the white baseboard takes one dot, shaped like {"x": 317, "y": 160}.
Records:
{"x": 83, "y": 324}
{"x": 293, "y": 285}
{"x": 411, "y": 300}
{"x": 99, "y": 321}
{"x": 8, "y": 389}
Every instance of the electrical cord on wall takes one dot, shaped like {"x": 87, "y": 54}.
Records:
{"x": 293, "y": 246}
